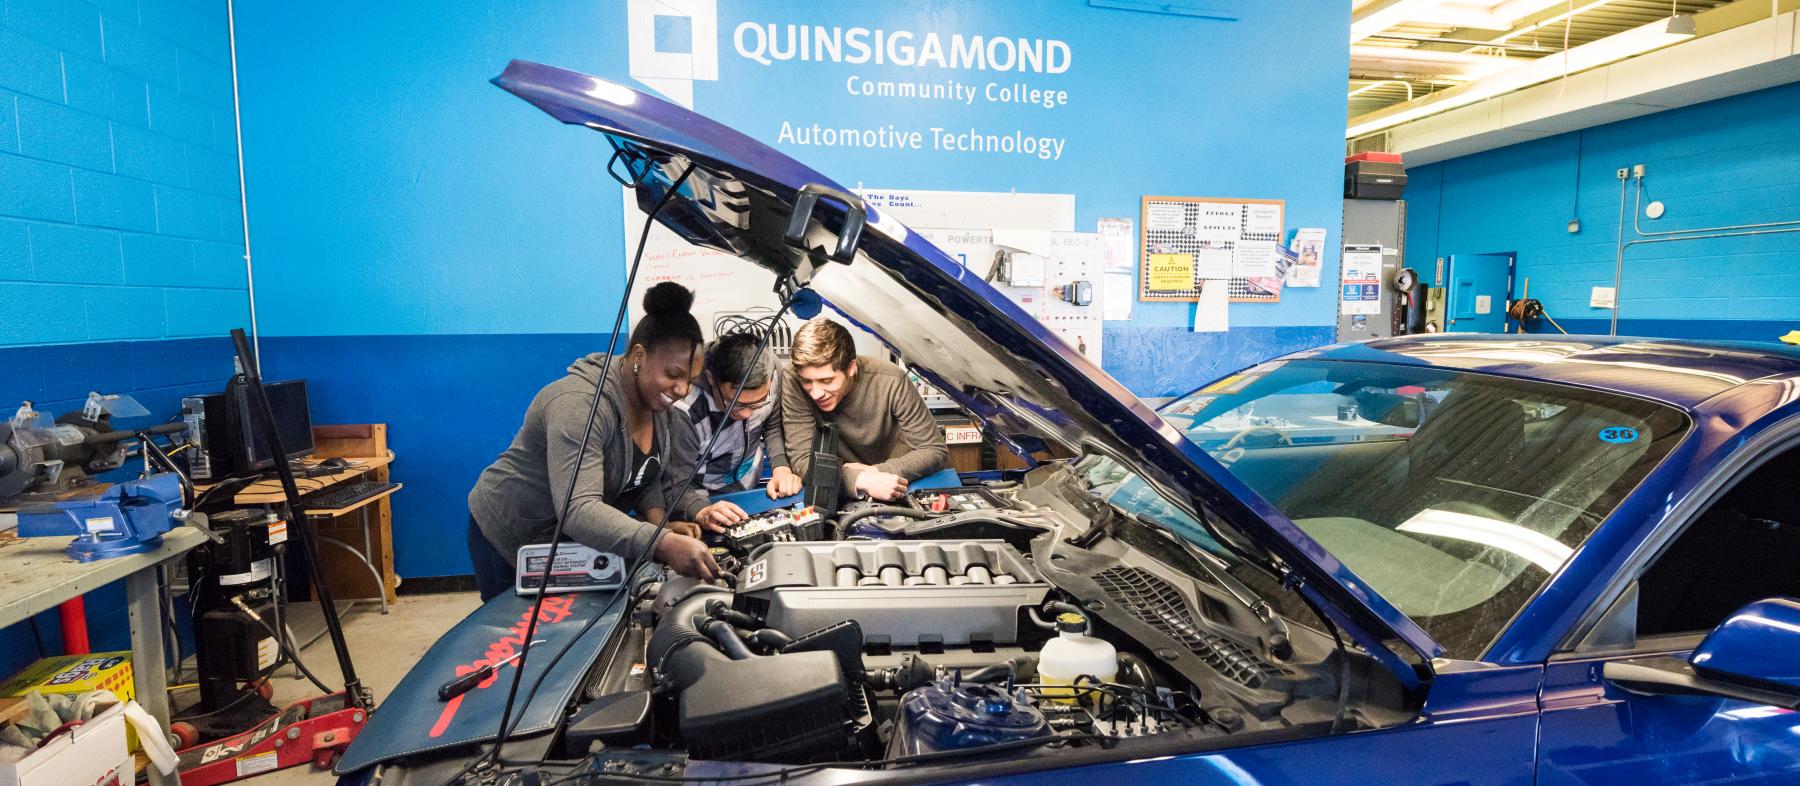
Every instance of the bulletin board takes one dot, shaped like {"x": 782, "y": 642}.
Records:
{"x": 1234, "y": 240}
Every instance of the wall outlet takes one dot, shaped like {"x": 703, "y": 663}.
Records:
{"x": 1624, "y": 172}
{"x": 1637, "y": 170}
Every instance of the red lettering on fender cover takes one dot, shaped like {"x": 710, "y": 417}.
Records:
{"x": 555, "y": 609}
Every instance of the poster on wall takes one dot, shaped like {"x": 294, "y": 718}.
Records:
{"x": 1187, "y": 241}
{"x": 974, "y": 209}
{"x": 1056, "y": 278}
{"x": 731, "y": 294}
{"x": 1118, "y": 240}
{"x": 1361, "y": 281}
{"x": 1308, "y": 246}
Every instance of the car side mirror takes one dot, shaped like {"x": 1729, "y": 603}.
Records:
{"x": 1754, "y": 656}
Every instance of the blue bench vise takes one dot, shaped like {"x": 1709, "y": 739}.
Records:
{"x": 128, "y": 518}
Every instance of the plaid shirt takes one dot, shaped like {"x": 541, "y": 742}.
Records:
{"x": 735, "y": 462}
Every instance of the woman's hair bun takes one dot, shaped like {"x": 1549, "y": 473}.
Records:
{"x": 668, "y": 297}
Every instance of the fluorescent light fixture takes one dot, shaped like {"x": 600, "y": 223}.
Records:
{"x": 1535, "y": 547}
{"x": 1542, "y": 23}
{"x": 1437, "y": 64}
{"x": 1484, "y": 16}
{"x": 1510, "y": 11}
{"x": 1611, "y": 49}
{"x": 1383, "y": 14}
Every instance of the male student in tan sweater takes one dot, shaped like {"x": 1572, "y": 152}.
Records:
{"x": 887, "y": 437}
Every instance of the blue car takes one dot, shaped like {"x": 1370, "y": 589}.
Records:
{"x": 1442, "y": 559}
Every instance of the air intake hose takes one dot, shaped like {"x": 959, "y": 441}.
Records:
{"x": 678, "y": 649}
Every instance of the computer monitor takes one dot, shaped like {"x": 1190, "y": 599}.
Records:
{"x": 293, "y": 421}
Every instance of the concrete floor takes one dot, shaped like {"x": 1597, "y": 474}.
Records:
{"x": 383, "y": 649}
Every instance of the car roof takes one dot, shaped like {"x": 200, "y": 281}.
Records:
{"x": 1685, "y": 373}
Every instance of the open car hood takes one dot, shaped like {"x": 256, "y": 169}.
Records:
{"x": 974, "y": 344}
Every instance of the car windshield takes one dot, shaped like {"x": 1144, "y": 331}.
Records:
{"x": 1456, "y": 495}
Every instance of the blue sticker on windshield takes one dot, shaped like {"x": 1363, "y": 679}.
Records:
{"x": 1618, "y": 435}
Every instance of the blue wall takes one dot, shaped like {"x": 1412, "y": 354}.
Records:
{"x": 120, "y": 233}
{"x": 431, "y": 250}
{"x": 1731, "y": 161}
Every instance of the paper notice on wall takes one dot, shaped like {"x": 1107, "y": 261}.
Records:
{"x": 1362, "y": 263}
{"x": 728, "y": 294}
{"x": 1030, "y": 241}
{"x": 972, "y": 248}
{"x": 1212, "y": 311}
{"x": 1271, "y": 285}
{"x": 1263, "y": 219}
{"x": 1171, "y": 271}
{"x": 1116, "y": 296}
{"x": 1119, "y": 244}
{"x": 1309, "y": 252}
{"x": 973, "y": 209}
{"x": 1253, "y": 259}
{"x": 1219, "y": 222}
{"x": 1164, "y": 218}
{"x": 1213, "y": 260}
{"x": 1361, "y": 280}
{"x": 1602, "y": 297}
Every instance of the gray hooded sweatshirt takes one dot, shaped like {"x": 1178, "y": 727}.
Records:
{"x": 516, "y": 498}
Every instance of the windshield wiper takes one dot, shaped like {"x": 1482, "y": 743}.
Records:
{"x": 1275, "y": 631}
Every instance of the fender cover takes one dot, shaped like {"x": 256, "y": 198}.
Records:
{"x": 412, "y": 720}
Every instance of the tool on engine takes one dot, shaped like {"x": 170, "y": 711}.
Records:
{"x": 460, "y": 685}
{"x": 822, "y": 487}
{"x": 577, "y": 569}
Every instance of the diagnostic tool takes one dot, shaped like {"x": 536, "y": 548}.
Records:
{"x": 578, "y": 568}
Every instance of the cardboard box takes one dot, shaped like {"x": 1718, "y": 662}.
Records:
{"x": 78, "y": 674}
{"x": 93, "y": 754}
{"x": 75, "y": 674}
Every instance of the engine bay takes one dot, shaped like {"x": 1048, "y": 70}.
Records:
{"x": 1020, "y": 619}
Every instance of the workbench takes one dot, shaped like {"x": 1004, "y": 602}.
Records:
{"x": 37, "y": 574}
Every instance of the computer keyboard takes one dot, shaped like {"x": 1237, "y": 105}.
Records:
{"x": 344, "y": 495}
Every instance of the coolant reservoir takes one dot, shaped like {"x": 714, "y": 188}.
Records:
{"x": 1074, "y": 654}
{"x": 945, "y": 715}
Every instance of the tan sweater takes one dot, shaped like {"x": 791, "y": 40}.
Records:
{"x": 882, "y": 422}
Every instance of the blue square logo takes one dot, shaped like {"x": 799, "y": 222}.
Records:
{"x": 674, "y": 34}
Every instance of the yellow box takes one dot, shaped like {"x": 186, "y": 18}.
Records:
{"x": 78, "y": 674}
{"x": 75, "y": 674}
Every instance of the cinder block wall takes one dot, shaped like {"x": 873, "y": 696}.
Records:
{"x": 1726, "y": 162}
{"x": 121, "y": 244}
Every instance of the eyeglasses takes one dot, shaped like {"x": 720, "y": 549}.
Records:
{"x": 748, "y": 409}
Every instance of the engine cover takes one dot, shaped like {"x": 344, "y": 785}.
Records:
{"x": 907, "y": 593}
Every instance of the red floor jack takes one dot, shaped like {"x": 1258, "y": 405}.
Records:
{"x": 313, "y": 730}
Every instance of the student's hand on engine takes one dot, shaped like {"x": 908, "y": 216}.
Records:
{"x": 783, "y": 483}
{"x": 687, "y": 528}
{"x": 686, "y": 555}
{"x": 885, "y": 486}
{"x": 719, "y": 515}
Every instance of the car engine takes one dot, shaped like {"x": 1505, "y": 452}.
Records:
{"x": 960, "y": 619}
